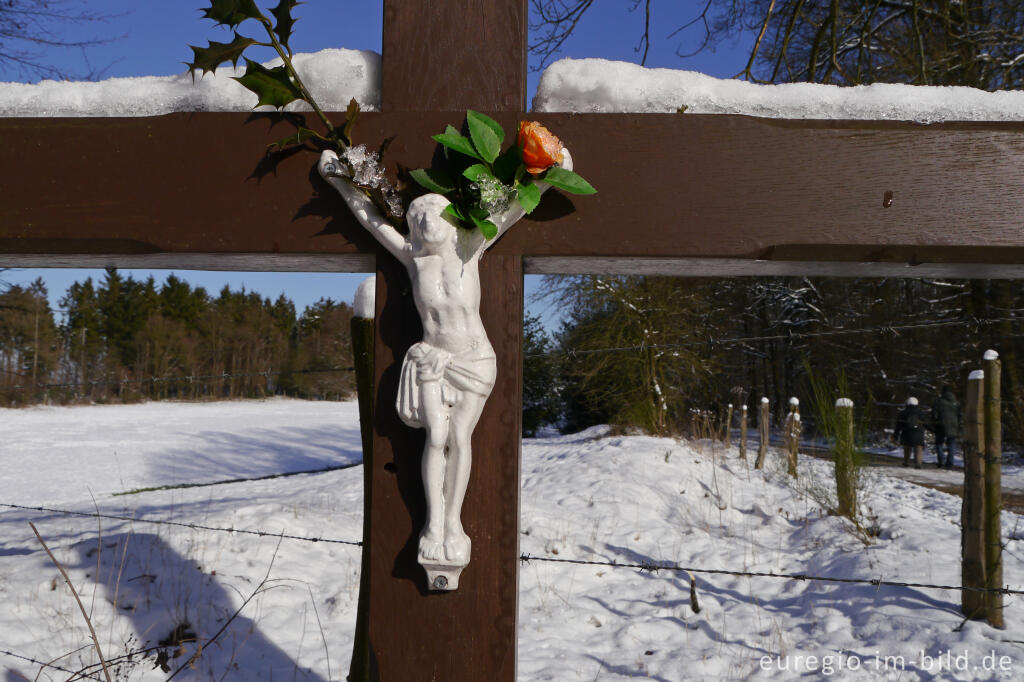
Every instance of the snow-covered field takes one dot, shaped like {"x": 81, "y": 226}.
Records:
{"x": 587, "y": 496}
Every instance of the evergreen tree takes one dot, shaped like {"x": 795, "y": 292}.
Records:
{"x": 541, "y": 399}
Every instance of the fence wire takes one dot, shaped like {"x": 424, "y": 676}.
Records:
{"x": 181, "y": 524}
{"x": 652, "y": 566}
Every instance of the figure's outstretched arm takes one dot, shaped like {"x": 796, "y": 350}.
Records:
{"x": 363, "y": 209}
{"x": 514, "y": 212}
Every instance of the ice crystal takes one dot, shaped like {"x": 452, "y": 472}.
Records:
{"x": 368, "y": 172}
{"x": 366, "y": 168}
{"x": 495, "y": 196}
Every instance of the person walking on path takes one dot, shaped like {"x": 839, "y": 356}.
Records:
{"x": 946, "y": 425}
{"x": 909, "y": 432}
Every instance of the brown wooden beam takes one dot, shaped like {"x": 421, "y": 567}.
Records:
{"x": 727, "y": 187}
{"x": 469, "y": 55}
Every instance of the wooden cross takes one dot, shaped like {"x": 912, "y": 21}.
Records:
{"x": 678, "y": 194}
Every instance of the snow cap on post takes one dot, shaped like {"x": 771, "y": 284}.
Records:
{"x": 743, "y": 407}
{"x": 764, "y": 399}
{"x": 991, "y": 355}
{"x": 365, "y": 298}
{"x": 794, "y": 401}
{"x": 844, "y": 402}
{"x": 976, "y": 375}
{"x": 911, "y": 400}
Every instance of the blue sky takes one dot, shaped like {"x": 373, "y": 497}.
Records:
{"x": 151, "y": 38}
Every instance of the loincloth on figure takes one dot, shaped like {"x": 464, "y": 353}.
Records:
{"x": 473, "y": 370}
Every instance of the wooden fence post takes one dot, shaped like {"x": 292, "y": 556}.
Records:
{"x": 993, "y": 490}
{"x": 972, "y": 513}
{"x": 743, "y": 432}
{"x": 727, "y": 439}
{"x": 845, "y": 471}
{"x": 792, "y": 435}
{"x": 762, "y": 427}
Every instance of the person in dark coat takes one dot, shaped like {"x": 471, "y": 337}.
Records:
{"x": 909, "y": 432}
{"x": 946, "y": 425}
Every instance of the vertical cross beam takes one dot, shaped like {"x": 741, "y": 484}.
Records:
{"x": 464, "y": 54}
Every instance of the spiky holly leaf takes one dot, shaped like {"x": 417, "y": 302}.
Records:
{"x": 300, "y": 136}
{"x": 209, "y": 58}
{"x": 351, "y": 116}
{"x": 232, "y": 12}
{"x": 283, "y": 15}
{"x": 272, "y": 86}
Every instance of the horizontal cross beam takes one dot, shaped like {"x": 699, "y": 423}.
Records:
{"x": 684, "y": 194}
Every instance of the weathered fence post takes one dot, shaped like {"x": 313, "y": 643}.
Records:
{"x": 362, "y": 331}
{"x": 792, "y": 435}
{"x": 972, "y": 514}
{"x": 743, "y": 432}
{"x": 845, "y": 471}
{"x": 727, "y": 439}
{"x": 993, "y": 490}
{"x": 762, "y": 427}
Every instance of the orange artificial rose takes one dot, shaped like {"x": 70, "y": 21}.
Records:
{"x": 541, "y": 149}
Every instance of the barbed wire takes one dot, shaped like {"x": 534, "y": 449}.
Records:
{"x": 190, "y": 378}
{"x": 181, "y": 524}
{"x": 44, "y": 664}
{"x": 730, "y": 341}
{"x": 653, "y": 567}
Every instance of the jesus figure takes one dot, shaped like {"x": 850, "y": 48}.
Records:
{"x": 447, "y": 377}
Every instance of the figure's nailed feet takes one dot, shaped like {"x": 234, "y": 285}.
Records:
{"x": 431, "y": 546}
{"x": 457, "y": 546}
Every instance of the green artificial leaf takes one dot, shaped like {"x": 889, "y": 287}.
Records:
{"x": 300, "y": 136}
{"x": 453, "y": 211}
{"x": 452, "y": 139}
{"x": 283, "y": 14}
{"x": 272, "y": 86}
{"x": 487, "y": 121}
{"x": 506, "y": 164}
{"x": 476, "y": 171}
{"x": 433, "y": 180}
{"x": 682, "y": 108}
{"x": 351, "y": 116}
{"x": 528, "y": 195}
{"x": 232, "y": 12}
{"x": 209, "y": 58}
{"x": 487, "y": 228}
{"x": 487, "y": 135}
{"x": 567, "y": 181}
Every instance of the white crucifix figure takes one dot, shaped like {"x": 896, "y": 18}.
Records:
{"x": 447, "y": 377}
